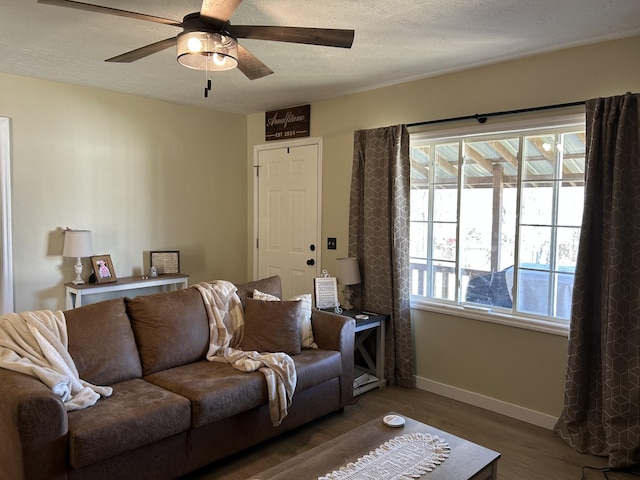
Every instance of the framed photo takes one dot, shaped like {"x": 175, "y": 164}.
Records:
{"x": 167, "y": 261}
{"x": 103, "y": 269}
{"x": 326, "y": 290}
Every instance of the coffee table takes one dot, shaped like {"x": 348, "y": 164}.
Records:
{"x": 466, "y": 460}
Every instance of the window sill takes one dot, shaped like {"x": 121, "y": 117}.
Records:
{"x": 478, "y": 313}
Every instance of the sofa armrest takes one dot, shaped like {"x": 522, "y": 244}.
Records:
{"x": 33, "y": 429}
{"x": 337, "y": 332}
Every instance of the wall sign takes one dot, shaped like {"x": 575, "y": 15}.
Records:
{"x": 287, "y": 123}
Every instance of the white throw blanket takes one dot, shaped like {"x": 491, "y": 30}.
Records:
{"x": 226, "y": 327}
{"x": 36, "y": 344}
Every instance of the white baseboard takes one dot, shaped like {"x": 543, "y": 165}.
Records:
{"x": 478, "y": 400}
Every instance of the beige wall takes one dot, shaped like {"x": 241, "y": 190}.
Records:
{"x": 141, "y": 174}
{"x": 147, "y": 175}
{"x": 515, "y": 366}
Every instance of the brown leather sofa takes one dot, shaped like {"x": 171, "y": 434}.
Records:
{"x": 171, "y": 411}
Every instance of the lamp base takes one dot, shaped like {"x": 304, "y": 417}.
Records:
{"x": 347, "y": 295}
{"x": 78, "y": 270}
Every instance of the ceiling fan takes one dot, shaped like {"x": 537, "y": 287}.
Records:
{"x": 209, "y": 41}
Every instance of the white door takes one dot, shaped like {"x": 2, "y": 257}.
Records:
{"x": 287, "y": 214}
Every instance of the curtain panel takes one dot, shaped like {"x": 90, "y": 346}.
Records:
{"x": 601, "y": 413}
{"x": 379, "y": 238}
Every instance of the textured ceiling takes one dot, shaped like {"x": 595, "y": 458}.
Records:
{"x": 395, "y": 41}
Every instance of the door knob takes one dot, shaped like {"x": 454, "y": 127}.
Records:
{"x": 311, "y": 261}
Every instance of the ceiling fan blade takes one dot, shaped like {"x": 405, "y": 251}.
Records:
{"x": 218, "y": 12}
{"x": 329, "y": 37}
{"x": 111, "y": 11}
{"x": 250, "y": 65}
{"x": 142, "y": 52}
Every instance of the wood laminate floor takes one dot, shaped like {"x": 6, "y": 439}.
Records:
{"x": 528, "y": 452}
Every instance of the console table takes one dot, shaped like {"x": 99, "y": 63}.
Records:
{"x": 78, "y": 292}
{"x": 369, "y": 375}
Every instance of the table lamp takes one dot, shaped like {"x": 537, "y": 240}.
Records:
{"x": 78, "y": 244}
{"x": 348, "y": 274}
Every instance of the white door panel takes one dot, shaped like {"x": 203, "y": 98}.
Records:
{"x": 288, "y": 216}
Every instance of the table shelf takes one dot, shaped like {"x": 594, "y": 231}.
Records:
{"x": 75, "y": 293}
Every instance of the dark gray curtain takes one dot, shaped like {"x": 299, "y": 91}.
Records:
{"x": 379, "y": 238}
{"x": 601, "y": 412}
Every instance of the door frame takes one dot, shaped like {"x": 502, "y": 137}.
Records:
{"x": 317, "y": 141}
{"x": 6, "y": 251}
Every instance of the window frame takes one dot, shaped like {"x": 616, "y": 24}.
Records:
{"x": 478, "y": 312}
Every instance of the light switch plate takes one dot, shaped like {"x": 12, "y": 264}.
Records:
{"x": 332, "y": 243}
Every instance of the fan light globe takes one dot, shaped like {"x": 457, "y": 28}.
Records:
{"x": 219, "y": 60}
{"x": 216, "y": 51}
{"x": 194, "y": 45}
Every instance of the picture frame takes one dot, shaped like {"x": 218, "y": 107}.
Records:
{"x": 326, "y": 292}
{"x": 103, "y": 269}
{"x": 165, "y": 261}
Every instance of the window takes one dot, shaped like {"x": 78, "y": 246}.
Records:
{"x": 495, "y": 219}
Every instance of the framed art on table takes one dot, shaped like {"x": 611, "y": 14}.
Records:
{"x": 167, "y": 261}
{"x": 103, "y": 269}
{"x": 326, "y": 292}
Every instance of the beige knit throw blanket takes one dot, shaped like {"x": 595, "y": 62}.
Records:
{"x": 226, "y": 328}
{"x": 36, "y": 344}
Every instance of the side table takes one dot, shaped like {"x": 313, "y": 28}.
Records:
{"x": 369, "y": 373}
{"x": 75, "y": 293}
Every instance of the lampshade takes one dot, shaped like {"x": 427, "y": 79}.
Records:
{"x": 77, "y": 243}
{"x": 347, "y": 271}
{"x": 207, "y": 51}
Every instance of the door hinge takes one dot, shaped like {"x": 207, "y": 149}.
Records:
{"x": 257, "y": 241}
{"x": 257, "y": 167}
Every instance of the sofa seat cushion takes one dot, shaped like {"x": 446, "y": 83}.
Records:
{"x": 316, "y": 366}
{"x": 138, "y": 413}
{"x": 216, "y": 390}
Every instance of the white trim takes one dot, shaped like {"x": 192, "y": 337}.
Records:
{"x": 302, "y": 142}
{"x": 560, "y": 328}
{"x": 6, "y": 252}
{"x": 511, "y": 410}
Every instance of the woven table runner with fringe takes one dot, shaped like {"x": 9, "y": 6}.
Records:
{"x": 405, "y": 457}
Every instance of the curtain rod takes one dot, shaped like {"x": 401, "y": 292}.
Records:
{"x": 482, "y": 118}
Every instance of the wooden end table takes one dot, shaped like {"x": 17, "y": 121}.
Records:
{"x": 371, "y": 368}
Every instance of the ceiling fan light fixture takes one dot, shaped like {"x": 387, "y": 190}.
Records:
{"x": 208, "y": 51}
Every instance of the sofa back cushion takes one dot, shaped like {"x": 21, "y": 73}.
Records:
{"x": 171, "y": 328}
{"x": 270, "y": 285}
{"x": 272, "y": 326}
{"x": 102, "y": 344}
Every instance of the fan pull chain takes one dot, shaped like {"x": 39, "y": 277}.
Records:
{"x": 207, "y": 87}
